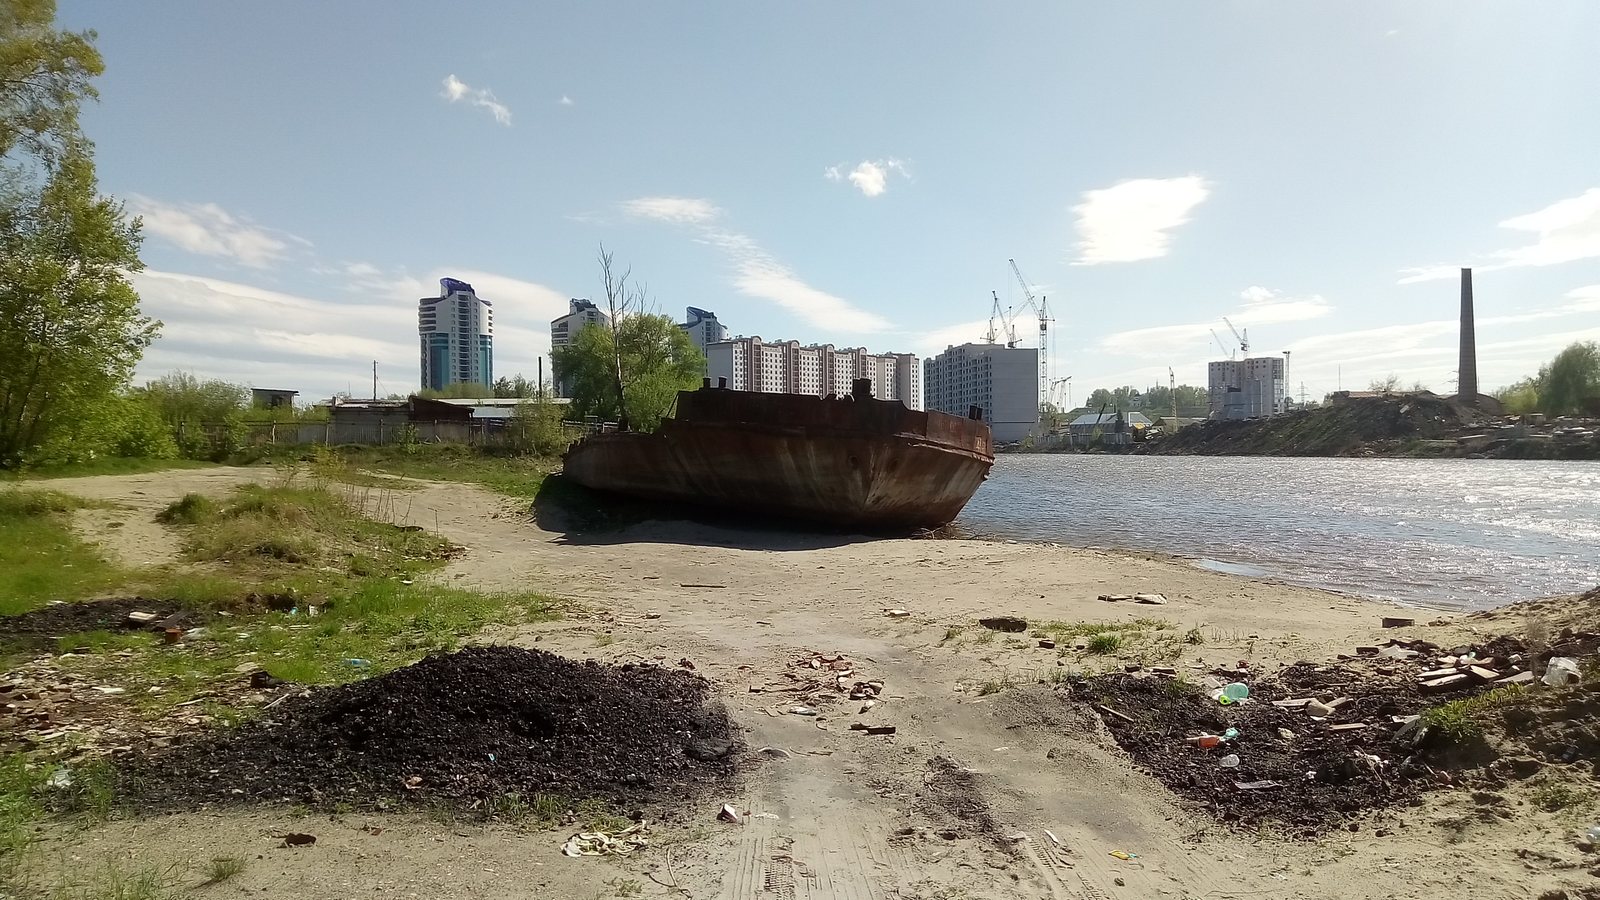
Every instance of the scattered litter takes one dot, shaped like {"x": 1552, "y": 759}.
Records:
{"x": 356, "y": 663}
{"x": 775, "y": 752}
{"x": 59, "y": 779}
{"x": 1124, "y": 855}
{"x": 1152, "y": 599}
{"x": 296, "y": 839}
{"x": 1111, "y": 712}
{"x": 1257, "y": 785}
{"x": 1286, "y": 734}
{"x": 1398, "y": 622}
{"x": 1231, "y": 761}
{"x": 897, "y": 613}
{"x": 685, "y": 663}
{"x": 729, "y": 813}
{"x": 1561, "y": 670}
{"x": 598, "y": 843}
{"x": 1046, "y": 644}
{"x": 802, "y": 711}
{"x": 1205, "y": 741}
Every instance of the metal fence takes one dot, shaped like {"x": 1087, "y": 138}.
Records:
{"x": 479, "y": 433}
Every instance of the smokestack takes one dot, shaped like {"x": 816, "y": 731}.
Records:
{"x": 1467, "y": 369}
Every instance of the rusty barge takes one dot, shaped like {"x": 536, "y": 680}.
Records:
{"x": 848, "y": 463}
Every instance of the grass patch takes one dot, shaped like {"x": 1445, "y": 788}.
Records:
{"x": 111, "y": 882}
{"x": 1105, "y": 643}
{"x": 41, "y": 559}
{"x": 1461, "y": 720}
{"x": 106, "y": 465}
{"x": 513, "y": 475}
{"x": 1554, "y": 796}
{"x": 285, "y": 528}
{"x": 191, "y": 509}
{"x": 952, "y": 633}
{"x": 1193, "y": 637}
{"x": 222, "y": 868}
{"x": 364, "y": 628}
{"x": 105, "y": 641}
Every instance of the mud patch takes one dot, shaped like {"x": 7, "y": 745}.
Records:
{"x": 950, "y": 792}
{"x": 461, "y": 728}
{"x": 43, "y": 626}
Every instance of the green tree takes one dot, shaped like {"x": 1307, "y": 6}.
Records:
{"x": 45, "y": 75}
{"x": 1521, "y": 397}
{"x": 458, "y": 390}
{"x": 657, "y": 359}
{"x": 180, "y": 398}
{"x": 515, "y": 387}
{"x": 70, "y": 327}
{"x": 1570, "y": 383}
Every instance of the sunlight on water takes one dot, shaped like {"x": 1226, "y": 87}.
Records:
{"x": 1446, "y": 533}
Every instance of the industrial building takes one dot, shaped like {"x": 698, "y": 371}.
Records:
{"x": 1246, "y": 388}
{"x": 1003, "y": 381}
{"x": 580, "y": 314}
{"x": 457, "y": 331}
{"x": 788, "y": 367}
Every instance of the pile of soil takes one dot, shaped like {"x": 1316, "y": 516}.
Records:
{"x": 1312, "y": 776}
{"x": 42, "y": 626}
{"x": 458, "y": 728}
{"x": 1340, "y": 428}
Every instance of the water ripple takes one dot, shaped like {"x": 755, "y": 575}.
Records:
{"x": 1446, "y": 533}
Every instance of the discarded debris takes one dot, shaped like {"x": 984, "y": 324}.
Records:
{"x": 1561, "y": 670}
{"x": 730, "y": 813}
{"x": 1152, "y": 599}
{"x": 1398, "y": 622}
{"x": 897, "y": 613}
{"x": 599, "y": 843}
{"x": 297, "y": 839}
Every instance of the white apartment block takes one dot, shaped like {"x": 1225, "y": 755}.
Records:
{"x": 457, "y": 331}
{"x": 789, "y": 367}
{"x": 703, "y": 328}
{"x": 1246, "y": 388}
{"x": 1002, "y": 381}
{"x": 581, "y": 314}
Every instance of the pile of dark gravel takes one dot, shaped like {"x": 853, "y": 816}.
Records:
{"x": 461, "y": 727}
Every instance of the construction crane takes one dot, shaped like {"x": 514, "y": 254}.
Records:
{"x": 1007, "y": 328}
{"x": 1056, "y": 392}
{"x": 1243, "y": 336}
{"x": 1220, "y": 345}
{"x": 1041, "y": 309}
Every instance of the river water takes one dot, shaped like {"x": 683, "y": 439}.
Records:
{"x": 1455, "y": 534}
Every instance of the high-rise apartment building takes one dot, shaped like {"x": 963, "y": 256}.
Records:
{"x": 703, "y": 328}
{"x": 457, "y": 330}
{"x": 1245, "y": 388}
{"x": 789, "y": 367}
{"x": 581, "y": 314}
{"x": 1003, "y": 381}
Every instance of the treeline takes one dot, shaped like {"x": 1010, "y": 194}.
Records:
{"x": 1153, "y": 401}
{"x": 1569, "y": 384}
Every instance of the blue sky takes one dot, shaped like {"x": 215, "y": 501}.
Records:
{"x": 859, "y": 173}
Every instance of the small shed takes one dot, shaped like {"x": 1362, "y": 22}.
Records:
{"x": 272, "y": 398}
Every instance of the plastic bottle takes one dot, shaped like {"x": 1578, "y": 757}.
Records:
{"x": 1231, "y": 761}
{"x": 358, "y": 663}
{"x": 1236, "y": 692}
{"x": 1230, "y": 734}
{"x": 1205, "y": 741}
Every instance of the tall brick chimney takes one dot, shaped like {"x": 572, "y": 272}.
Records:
{"x": 1467, "y": 370}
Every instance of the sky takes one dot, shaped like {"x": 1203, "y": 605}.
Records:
{"x": 860, "y": 174}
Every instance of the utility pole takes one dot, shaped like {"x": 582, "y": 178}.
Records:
{"x": 374, "y": 379}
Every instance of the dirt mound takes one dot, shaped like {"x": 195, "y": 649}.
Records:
{"x": 43, "y": 625}
{"x": 1334, "y": 430}
{"x": 1311, "y": 768}
{"x": 474, "y": 725}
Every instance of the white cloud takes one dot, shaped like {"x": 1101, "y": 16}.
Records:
{"x": 677, "y": 210}
{"x": 209, "y": 230}
{"x": 458, "y": 91}
{"x": 565, "y": 100}
{"x": 1567, "y": 231}
{"x": 251, "y": 335}
{"x": 1130, "y": 221}
{"x": 756, "y": 273}
{"x": 870, "y": 176}
{"x": 1261, "y": 306}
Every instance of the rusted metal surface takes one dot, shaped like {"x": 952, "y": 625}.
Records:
{"x": 846, "y": 463}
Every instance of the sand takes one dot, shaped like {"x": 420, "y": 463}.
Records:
{"x": 991, "y": 787}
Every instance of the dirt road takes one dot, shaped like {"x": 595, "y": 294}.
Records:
{"x": 991, "y": 786}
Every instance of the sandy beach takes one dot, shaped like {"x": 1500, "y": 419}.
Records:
{"x": 991, "y": 785}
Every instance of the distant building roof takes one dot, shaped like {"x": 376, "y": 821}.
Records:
{"x": 506, "y": 402}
